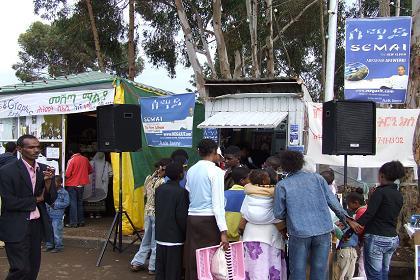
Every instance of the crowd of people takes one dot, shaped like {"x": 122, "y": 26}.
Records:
{"x": 282, "y": 214}
{"x": 269, "y": 209}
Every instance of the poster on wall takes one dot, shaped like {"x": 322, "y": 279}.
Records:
{"x": 377, "y": 59}
{"x": 211, "y": 133}
{"x": 47, "y": 127}
{"x": 294, "y": 135}
{"x": 168, "y": 120}
{"x": 9, "y": 129}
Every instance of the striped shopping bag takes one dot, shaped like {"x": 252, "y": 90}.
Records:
{"x": 234, "y": 262}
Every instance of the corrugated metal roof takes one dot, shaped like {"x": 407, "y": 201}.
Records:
{"x": 259, "y": 95}
{"x": 87, "y": 78}
{"x": 70, "y": 81}
{"x": 253, "y": 80}
{"x": 244, "y": 120}
{"x": 215, "y": 88}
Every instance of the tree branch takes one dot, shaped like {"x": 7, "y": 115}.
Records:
{"x": 203, "y": 38}
{"x": 197, "y": 50}
{"x": 293, "y": 20}
{"x": 209, "y": 32}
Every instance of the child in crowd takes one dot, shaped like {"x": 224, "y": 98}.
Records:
{"x": 148, "y": 243}
{"x": 346, "y": 258}
{"x": 171, "y": 205}
{"x": 234, "y": 198}
{"x": 56, "y": 213}
{"x": 356, "y": 204}
{"x": 255, "y": 209}
{"x": 329, "y": 176}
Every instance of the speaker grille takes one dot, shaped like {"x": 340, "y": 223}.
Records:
{"x": 354, "y": 128}
{"x": 349, "y": 127}
{"x": 119, "y": 128}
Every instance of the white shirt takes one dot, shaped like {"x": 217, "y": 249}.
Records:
{"x": 258, "y": 210}
{"x": 205, "y": 184}
{"x": 398, "y": 82}
{"x": 168, "y": 243}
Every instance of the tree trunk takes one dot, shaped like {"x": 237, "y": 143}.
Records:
{"x": 290, "y": 23}
{"x": 324, "y": 49}
{"x": 252, "y": 12}
{"x": 361, "y": 9}
{"x": 191, "y": 47}
{"x": 220, "y": 40}
{"x": 269, "y": 39}
{"x": 413, "y": 92}
{"x": 384, "y": 10}
{"x": 205, "y": 44}
{"x": 237, "y": 73}
{"x": 397, "y": 8}
{"x": 131, "y": 47}
{"x": 95, "y": 36}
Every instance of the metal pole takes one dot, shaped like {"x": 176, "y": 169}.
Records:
{"x": 345, "y": 170}
{"x": 120, "y": 206}
{"x": 332, "y": 44}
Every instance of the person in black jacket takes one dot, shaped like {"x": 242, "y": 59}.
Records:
{"x": 380, "y": 222}
{"x": 171, "y": 212}
{"x": 25, "y": 187}
{"x": 10, "y": 154}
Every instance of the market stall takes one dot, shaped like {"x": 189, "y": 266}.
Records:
{"x": 263, "y": 116}
{"x": 62, "y": 111}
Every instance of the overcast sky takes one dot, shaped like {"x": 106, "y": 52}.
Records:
{"x": 15, "y": 18}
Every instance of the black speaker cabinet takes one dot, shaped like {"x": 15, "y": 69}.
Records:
{"x": 119, "y": 128}
{"x": 349, "y": 128}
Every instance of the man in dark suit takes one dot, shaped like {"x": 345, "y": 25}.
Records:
{"x": 25, "y": 187}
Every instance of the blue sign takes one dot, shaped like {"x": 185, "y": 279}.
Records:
{"x": 168, "y": 120}
{"x": 211, "y": 133}
{"x": 294, "y": 134}
{"x": 377, "y": 59}
{"x": 300, "y": 149}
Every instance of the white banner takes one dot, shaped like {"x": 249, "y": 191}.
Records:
{"x": 394, "y": 139}
{"x": 54, "y": 103}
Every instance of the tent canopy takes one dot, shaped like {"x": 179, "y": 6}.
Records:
{"x": 244, "y": 120}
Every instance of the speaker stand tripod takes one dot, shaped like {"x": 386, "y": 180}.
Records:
{"x": 117, "y": 223}
{"x": 345, "y": 170}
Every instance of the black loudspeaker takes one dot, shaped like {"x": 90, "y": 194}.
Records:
{"x": 349, "y": 128}
{"x": 119, "y": 128}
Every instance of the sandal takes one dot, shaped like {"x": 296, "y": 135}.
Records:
{"x": 137, "y": 268}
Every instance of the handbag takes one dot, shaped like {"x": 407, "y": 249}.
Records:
{"x": 221, "y": 265}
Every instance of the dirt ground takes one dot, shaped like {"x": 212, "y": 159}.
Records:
{"x": 79, "y": 263}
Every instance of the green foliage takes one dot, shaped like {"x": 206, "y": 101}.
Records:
{"x": 298, "y": 51}
{"x": 47, "y": 50}
{"x": 66, "y": 46}
{"x": 370, "y": 8}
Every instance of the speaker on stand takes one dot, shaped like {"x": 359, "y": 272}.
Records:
{"x": 118, "y": 130}
{"x": 349, "y": 128}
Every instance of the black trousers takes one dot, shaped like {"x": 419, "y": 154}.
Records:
{"x": 25, "y": 256}
{"x": 169, "y": 262}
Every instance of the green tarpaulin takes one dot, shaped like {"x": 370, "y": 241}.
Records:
{"x": 144, "y": 160}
